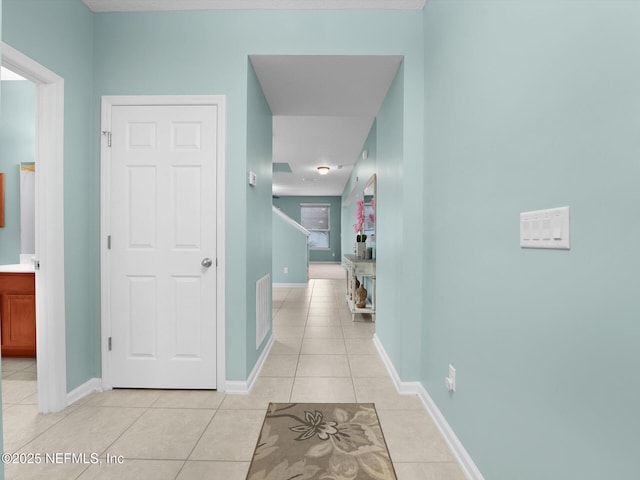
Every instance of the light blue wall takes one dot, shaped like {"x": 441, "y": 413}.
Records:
{"x": 397, "y": 314}
{"x": 17, "y": 145}
{"x": 207, "y": 52}
{"x": 291, "y": 206}
{"x": 362, "y": 171}
{"x": 398, "y": 202}
{"x": 258, "y": 206}
{"x": 290, "y": 250}
{"x": 187, "y": 53}
{"x": 532, "y": 105}
{"x": 59, "y": 35}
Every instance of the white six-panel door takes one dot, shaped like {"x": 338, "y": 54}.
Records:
{"x": 162, "y": 255}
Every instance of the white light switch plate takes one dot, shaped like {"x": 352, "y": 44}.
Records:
{"x": 545, "y": 229}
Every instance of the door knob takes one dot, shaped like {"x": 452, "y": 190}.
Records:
{"x": 206, "y": 262}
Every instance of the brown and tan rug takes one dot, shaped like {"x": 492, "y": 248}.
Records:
{"x": 323, "y": 441}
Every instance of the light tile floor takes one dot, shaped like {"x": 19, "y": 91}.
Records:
{"x": 318, "y": 355}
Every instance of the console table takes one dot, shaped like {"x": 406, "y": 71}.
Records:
{"x": 359, "y": 267}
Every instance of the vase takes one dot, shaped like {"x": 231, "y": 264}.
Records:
{"x": 361, "y": 296}
{"x": 360, "y": 249}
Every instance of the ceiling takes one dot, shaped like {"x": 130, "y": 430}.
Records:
{"x": 152, "y": 5}
{"x": 323, "y": 107}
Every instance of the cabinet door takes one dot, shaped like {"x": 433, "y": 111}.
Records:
{"x": 18, "y": 325}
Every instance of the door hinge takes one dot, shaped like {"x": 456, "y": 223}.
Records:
{"x": 108, "y": 134}
{"x": 109, "y": 344}
{"x": 108, "y": 242}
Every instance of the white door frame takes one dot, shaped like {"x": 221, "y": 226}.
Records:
{"x": 49, "y": 228}
{"x": 105, "y": 163}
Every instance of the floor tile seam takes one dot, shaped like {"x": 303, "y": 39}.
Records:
{"x": 186, "y": 408}
{"x": 19, "y": 402}
{"x": 218, "y": 461}
{"x": 144, "y": 407}
{"x": 304, "y": 330}
{"x": 118, "y": 437}
{"x": 32, "y": 439}
{"x": 82, "y": 472}
{"x": 195, "y": 444}
{"x": 328, "y": 354}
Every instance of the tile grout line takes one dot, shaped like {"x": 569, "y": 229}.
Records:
{"x": 198, "y": 440}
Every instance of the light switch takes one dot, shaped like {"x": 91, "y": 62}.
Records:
{"x": 545, "y": 228}
{"x": 556, "y": 225}
{"x": 535, "y": 228}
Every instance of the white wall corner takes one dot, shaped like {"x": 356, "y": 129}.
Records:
{"x": 466, "y": 463}
{"x": 88, "y": 387}
{"x": 236, "y": 386}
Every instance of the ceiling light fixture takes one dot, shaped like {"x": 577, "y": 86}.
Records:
{"x": 323, "y": 170}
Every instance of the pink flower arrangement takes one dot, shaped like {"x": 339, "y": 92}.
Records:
{"x": 359, "y": 215}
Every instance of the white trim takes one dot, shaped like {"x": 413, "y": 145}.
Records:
{"x": 88, "y": 387}
{"x": 468, "y": 467}
{"x": 290, "y": 220}
{"x": 105, "y": 156}
{"x": 246, "y": 386}
{"x": 50, "y": 292}
{"x": 290, "y": 285}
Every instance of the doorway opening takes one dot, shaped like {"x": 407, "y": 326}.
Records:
{"x": 49, "y": 228}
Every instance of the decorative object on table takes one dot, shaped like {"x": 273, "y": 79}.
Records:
{"x": 321, "y": 440}
{"x": 357, "y": 285}
{"x": 361, "y": 238}
{"x": 361, "y": 245}
{"x": 361, "y": 296}
{"x": 357, "y": 227}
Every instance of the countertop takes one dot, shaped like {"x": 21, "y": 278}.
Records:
{"x": 17, "y": 268}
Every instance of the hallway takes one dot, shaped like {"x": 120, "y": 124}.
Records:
{"x": 319, "y": 355}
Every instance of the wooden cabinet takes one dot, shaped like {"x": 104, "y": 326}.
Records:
{"x": 18, "y": 314}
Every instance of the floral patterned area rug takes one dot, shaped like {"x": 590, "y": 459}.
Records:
{"x": 321, "y": 441}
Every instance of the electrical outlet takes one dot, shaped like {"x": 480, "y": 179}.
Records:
{"x": 450, "y": 381}
{"x": 285, "y": 270}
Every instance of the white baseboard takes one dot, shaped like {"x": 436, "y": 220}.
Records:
{"x": 465, "y": 461}
{"x": 95, "y": 384}
{"x": 290, "y": 285}
{"x": 88, "y": 387}
{"x": 246, "y": 386}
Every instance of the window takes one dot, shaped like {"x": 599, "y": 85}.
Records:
{"x": 315, "y": 218}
